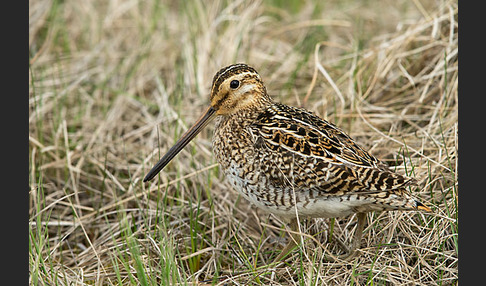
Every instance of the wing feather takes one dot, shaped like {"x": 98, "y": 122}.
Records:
{"x": 329, "y": 160}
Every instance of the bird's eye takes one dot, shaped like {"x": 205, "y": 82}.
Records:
{"x": 234, "y": 84}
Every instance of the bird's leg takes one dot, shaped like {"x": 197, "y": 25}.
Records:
{"x": 293, "y": 240}
{"x": 359, "y": 232}
{"x": 356, "y": 240}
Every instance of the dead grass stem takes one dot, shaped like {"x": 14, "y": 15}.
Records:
{"x": 112, "y": 81}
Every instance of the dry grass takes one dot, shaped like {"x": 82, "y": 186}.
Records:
{"x": 114, "y": 83}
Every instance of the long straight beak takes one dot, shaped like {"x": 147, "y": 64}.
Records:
{"x": 183, "y": 141}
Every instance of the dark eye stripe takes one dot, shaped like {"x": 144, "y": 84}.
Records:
{"x": 223, "y": 98}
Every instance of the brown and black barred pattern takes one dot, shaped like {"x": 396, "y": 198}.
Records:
{"x": 298, "y": 132}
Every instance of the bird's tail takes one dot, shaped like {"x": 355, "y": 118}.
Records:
{"x": 422, "y": 207}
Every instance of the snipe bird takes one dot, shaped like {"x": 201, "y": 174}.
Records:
{"x": 288, "y": 161}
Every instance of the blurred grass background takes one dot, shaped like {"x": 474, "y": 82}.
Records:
{"x": 113, "y": 84}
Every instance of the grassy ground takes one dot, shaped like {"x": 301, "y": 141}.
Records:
{"x": 113, "y": 84}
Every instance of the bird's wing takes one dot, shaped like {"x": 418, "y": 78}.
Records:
{"x": 328, "y": 158}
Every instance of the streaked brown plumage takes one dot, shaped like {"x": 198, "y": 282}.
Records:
{"x": 290, "y": 162}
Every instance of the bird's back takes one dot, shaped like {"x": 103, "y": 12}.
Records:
{"x": 286, "y": 159}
